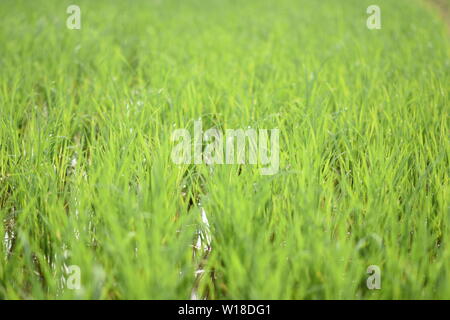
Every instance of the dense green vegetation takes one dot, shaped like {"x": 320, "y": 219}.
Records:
{"x": 86, "y": 177}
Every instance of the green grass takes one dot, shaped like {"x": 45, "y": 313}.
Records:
{"x": 86, "y": 176}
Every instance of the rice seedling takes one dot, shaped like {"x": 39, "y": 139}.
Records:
{"x": 94, "y": 207}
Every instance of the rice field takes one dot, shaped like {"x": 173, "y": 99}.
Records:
{"x": 93, "y": 206}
